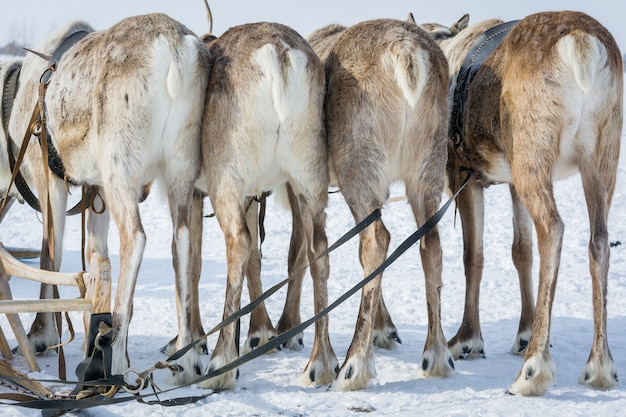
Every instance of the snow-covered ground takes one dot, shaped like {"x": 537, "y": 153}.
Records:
{"x": 268, "y": 385}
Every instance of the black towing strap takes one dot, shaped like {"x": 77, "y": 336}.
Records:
{"x": 57, "y": 407}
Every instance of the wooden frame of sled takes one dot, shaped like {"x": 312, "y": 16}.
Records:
{"x": 94, "y": 297}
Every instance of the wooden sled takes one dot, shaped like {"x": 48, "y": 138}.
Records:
{"x": 94, "y": 296}
{"x": 24, "y": 253}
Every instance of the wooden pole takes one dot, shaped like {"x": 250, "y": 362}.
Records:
{"x": 98, "y": 284}
{"x": 44, "y": 306}
{"x": 4, "y": 346}
{"x": 15, "y": 268}
{"x": 16, "y": 325}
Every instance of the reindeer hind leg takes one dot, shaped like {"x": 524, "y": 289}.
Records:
{"x": 261, "y": 329}
{"x": 600, "y": 371}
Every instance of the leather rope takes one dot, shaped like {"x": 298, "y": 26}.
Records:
{"x": 8, "y": 96}
{"x": 63, "y": 405}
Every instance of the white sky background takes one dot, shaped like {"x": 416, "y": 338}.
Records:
{"x": 32, "y": 20}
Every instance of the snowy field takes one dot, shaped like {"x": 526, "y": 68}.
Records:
{"x": 268, "y": 385}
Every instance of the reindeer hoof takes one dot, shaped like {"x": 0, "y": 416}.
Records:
{"x": 465, "y": 352}
{"x": 523, "y": 344}
{"x": 387, "y": 339}
{"x": 295, "y": 344}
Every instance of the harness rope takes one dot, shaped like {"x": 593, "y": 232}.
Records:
{"x": 62, "y": 405}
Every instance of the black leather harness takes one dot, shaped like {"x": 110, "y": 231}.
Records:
{"x": 54, "y": 160}
{"x": 486, "y": 43}
{"x": 9, "y": 91}
{"x": 55, "y": 163}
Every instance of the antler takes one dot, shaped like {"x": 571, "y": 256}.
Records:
{"x": 39, "y": 54}
{"x": 209, "y": 16}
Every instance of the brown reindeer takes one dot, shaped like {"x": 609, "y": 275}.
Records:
{"x": 263, "y": 128}
{"x": 123, "y": 107}
{"x": 385, "y": 332}
{"x": 386, "y": 118}
{"x": 260, "y": 329}
{"x": 546, "y": 103}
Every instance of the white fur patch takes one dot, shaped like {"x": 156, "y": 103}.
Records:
{"x": 535, "y": 376}
{"x": 586, "y": 61}
{"x": 411, "y": 92}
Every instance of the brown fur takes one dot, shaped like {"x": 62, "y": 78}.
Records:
{"x": 263, "y": 128}
{"x": 546, "y": 104}
{"x": 386, "y": 334}
{"x": 386, "y": 117}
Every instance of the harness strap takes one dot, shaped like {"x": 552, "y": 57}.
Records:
{"x": 54, "y": 160}
{"x": 375, "y": 215}
{"x": 20, "y": 157}
{"x": 8, "y": 96}
{"x": 65, "y": 405}
{"x": 49, "y": 224}
{"x": 400, "y": 250}
{"x": 486, "y": 43}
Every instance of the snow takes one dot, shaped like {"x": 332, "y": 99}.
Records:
{"x": 268, "y": 385}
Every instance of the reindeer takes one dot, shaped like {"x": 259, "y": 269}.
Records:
{"x": 545, "y": 104}
{"x": 386, "y": 118}
{"x": 263, "y": 128}
{"x": 123, "y": 107}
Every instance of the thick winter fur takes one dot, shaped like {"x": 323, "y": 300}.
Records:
{"x": 124, "y": 108}
{"x": 263, "y": 128}
{"x": 386, "y": 117}
{"x": 545, "y": 105}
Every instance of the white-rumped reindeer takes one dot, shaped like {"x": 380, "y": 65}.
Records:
{"x": 545, "y": 104}
{"x": 123, "y": 107}
{"x": 263, "y": 129}
{"x": 386, "y": 118}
